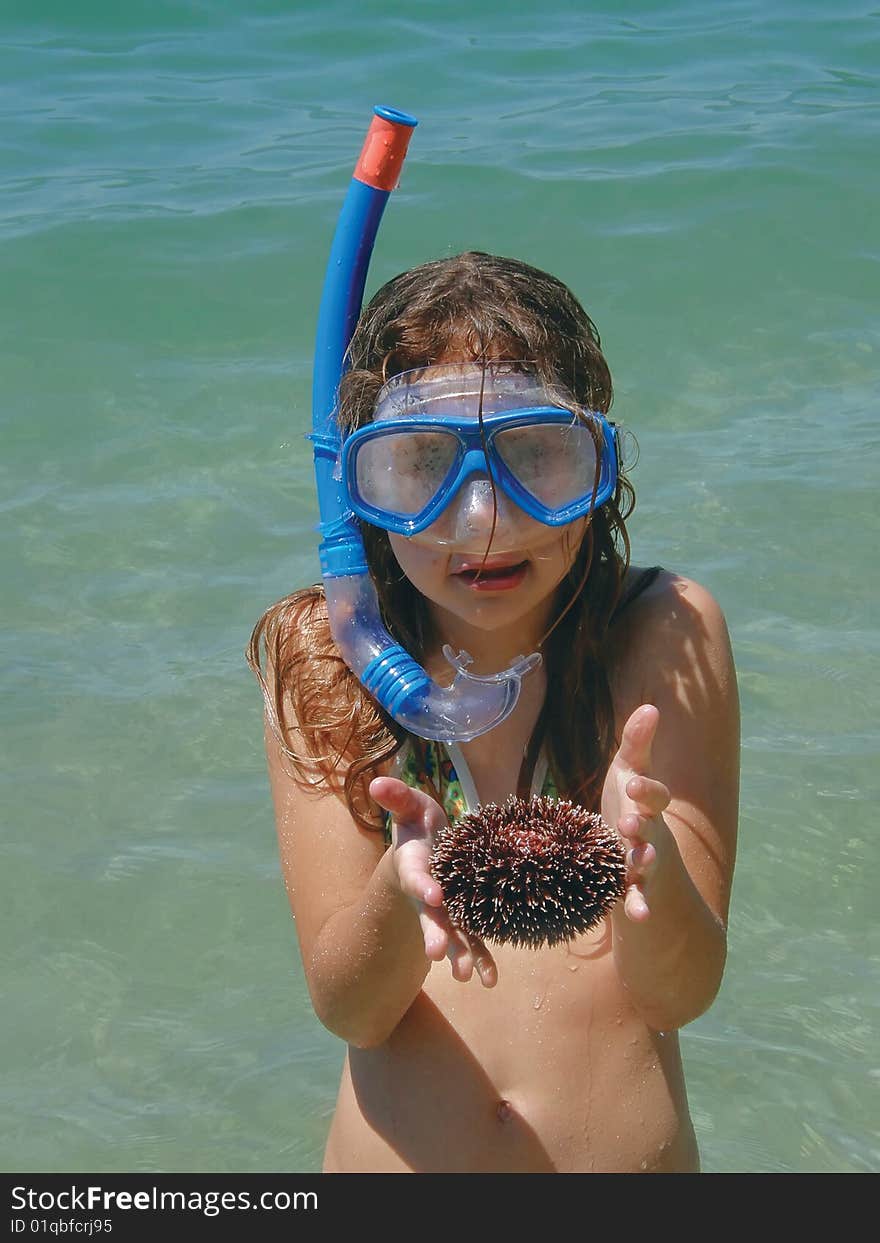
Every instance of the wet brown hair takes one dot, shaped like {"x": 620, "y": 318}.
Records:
{"x": 479, "y": 307}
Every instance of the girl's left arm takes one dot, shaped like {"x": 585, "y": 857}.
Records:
{"x": 672, "y": 792}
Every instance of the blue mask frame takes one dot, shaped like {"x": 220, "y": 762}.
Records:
{"x": 476, "y": 455}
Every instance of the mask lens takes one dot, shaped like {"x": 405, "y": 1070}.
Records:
{"x": 555, "y": 462}
{"x": 401, "y": 472}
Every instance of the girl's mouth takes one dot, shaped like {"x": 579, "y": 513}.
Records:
{"x": 479, "y": 577}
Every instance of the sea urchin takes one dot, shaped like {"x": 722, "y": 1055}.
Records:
{"x": 529, "y": 872}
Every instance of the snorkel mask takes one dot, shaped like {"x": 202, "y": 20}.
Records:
{"x": 472, "y": 705}
{"x": 450, "y": 439}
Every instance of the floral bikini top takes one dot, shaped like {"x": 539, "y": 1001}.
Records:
{"x": 444, "y": 772}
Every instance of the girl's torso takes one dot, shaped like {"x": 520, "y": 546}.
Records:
{"x": 551, "y": 1070}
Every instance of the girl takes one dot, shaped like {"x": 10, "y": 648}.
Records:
{"x": 462, "y": 1056}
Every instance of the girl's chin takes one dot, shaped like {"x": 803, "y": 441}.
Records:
{"x": 487, "y": 623}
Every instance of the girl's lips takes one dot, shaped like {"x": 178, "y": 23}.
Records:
{"x": 491, "y": 576}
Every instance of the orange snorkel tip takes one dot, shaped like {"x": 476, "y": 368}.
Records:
{"x": 384, "y": 148}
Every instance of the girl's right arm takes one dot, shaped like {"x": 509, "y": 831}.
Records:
{"x": 370, "y": 921}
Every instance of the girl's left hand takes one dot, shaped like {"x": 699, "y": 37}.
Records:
{"x": 416, "y": 820}
{"x": 633, "y": 803}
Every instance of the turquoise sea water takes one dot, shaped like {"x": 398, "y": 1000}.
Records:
{"x": 705, "y": 177}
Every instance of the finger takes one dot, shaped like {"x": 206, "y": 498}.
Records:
{"x": 460, "y": 956}
{"x": 631, "y": 827}
{"x": 473, "y": 957}
{"x": 406, "y": 804}
{"x": 444, "y": 940}
{"x": 484, "y": 964}
{"x": 412, "y": 861}
{"x": 650, "y": 797}
{"x": 435, "y": 932}
{"x": 637, "y": 739}
{"x": 635, "y": 906}
{"x": 413, "y": 877}
{"x": 640, "y": 861}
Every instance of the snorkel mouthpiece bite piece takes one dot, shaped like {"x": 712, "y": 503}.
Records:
{"x": 456, "y": 713}
{"x": 464, "y": 704}
{"x": 473, "y": 704}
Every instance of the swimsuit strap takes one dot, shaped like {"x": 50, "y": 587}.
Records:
{"x": 642, "y": 583}
{"x": 437, "y": 776}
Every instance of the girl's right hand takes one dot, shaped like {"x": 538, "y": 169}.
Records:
{"x": 416, "y": 818}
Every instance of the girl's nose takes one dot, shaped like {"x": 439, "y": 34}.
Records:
{"x": 475, "y": 515}
{"x": 476, "y": 509}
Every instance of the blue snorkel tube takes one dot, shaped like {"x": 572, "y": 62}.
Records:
{"x": 473, "y": 704}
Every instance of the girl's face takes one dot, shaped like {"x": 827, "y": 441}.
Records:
{"x": 488, "y": 569}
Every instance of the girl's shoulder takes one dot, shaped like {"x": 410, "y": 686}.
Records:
{"x": 668, "y": 629}
{"x": 658, "y": 586}
{"x": 657, "y": 595}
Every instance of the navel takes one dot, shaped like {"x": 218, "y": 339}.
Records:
{"x": 504, "y": 1111}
